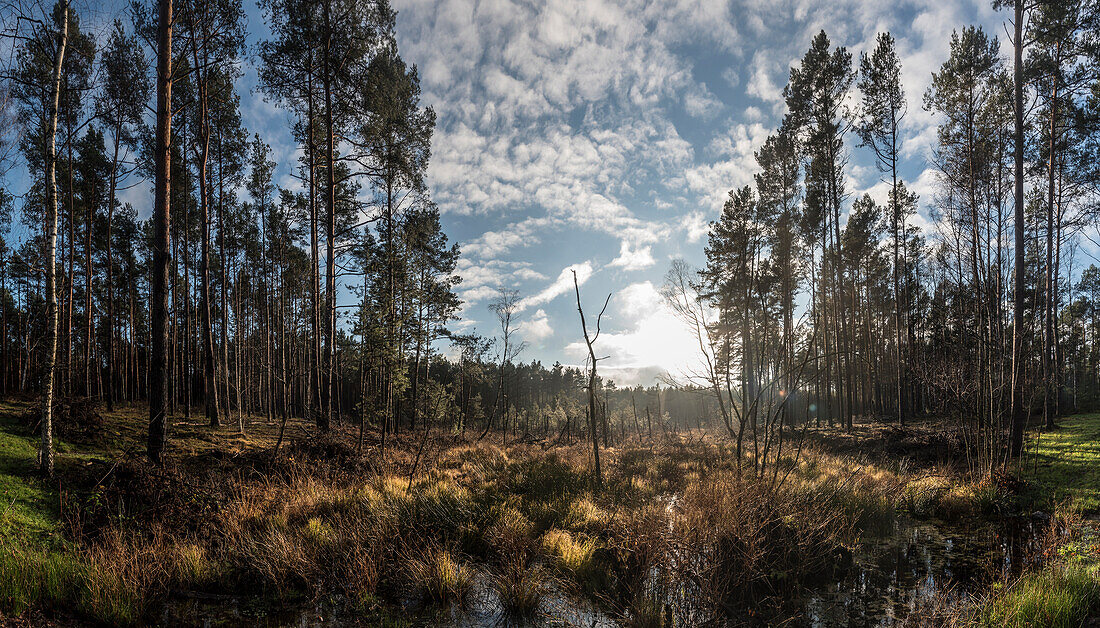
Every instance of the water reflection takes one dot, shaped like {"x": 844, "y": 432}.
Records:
{"x": 481, "y": 610}
{"x": 892, "y": 575}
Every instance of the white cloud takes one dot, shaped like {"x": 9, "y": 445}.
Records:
{"x": 696, "y": 226}
{"x": 761, "y": 84}
{"x": 604, "y": 117}
{"x": 737, "y": 145}
{"x": 505, "y": 141}
{"x": 633, "y": 259}
{"x": 537, "y": 328}
{"x": 482, "y": 279}
{"x": 561, "y": 285}
{"x": 491, "y": 244}
{"x": 731, "y": 76}
{"x": 642, "y": 338}
{"x": 470, "y": 296}
{"x": 701, "y": 103}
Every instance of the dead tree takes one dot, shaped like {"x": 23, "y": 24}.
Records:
{"x": 504, "y": 307}
{"x": 592, "y": 359}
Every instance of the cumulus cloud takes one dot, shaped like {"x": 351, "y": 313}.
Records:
{"x": 761, "y": 83}
{"x": 491, "y": 244}
{"x": 696, "y": 225}
{"x": 633, "y": 258}
{"x": 701, "y": 103}
{"x": 505, "y": 77}
{"x": 731, "y": 76}
{"x": 733, "y": 167}
{"x": 537, "y": 328}
{"x": 482, "y": 279}
{"x": 630, "y": 120}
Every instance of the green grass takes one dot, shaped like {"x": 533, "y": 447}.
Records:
{"x": 66, "y": 580}
{"x": 38, "y": 566}
{"x": 1066, "y": 463}
{"x": 1062, "y": 593}
{"x": 29, "y": 507}
{"x": 1060, "y": 596}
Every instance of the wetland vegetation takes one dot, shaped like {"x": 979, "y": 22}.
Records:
{"x": 485, "y": 532}
{"x": 241, "y": 377}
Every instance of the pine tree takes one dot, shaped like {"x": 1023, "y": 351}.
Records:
{"x": 91, "y": 183}
{"x": 883, "y": 110}
{"x": 161, "y": 253}
{"x": 815, "y": 96}
{"x": 395, "y": 142}
{"x": 119, "y": 107}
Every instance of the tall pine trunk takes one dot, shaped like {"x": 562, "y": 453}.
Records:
{"x": 1048, "y": 329}
{"x": 158, "y": 367}
{"x": 324, "y": 420}
{"x": 88, "y": 354}
{"x": 209, "y": 375}
{"x": 1019, "y": 420}
{"x": 313, "y": 385}
{"x": 109, "y": 385}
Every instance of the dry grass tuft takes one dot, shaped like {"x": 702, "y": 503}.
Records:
{"x": 440, "y": 577}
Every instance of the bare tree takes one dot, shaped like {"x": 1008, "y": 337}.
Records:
{"x": 681, "y": 296}
{"x": 504, "y": 307}
{"x": 593, "y": 404}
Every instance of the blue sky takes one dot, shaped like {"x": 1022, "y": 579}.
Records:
{"x": 602, "y": 137}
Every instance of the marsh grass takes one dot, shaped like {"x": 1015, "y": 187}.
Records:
{"x": 441, "y": 577}
{"x": 520, "y": 589}
{"x": 576, "y": 557}
{"x": 676, "y": 531}
{"x": 109, "y": 583}
{"x": 1062, "y": 589}
{"x": 1061, "y": 596}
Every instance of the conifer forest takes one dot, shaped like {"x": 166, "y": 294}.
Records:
{"x": 639, "y": 313}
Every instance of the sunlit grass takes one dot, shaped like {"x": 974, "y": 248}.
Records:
{"x": 441, "y": 577}
{"x": 29, "y": 506}
{"x": 1066, "y": 462}
{"x": 576, "y": 556}
{"x": 1060, "y": 596}
{"x": 523, "y": 515}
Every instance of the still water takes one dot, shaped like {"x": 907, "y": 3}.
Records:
{"x": 892, "y": 575}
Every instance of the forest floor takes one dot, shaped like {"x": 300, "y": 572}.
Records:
{"x": 1061, "y": 467}
{"x": 1065, "y": 463}
{"x": 674, "y": 532}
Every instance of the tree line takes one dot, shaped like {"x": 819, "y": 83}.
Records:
{"x": 331, "y": 298}
{"x": 818, "y": 305}
{"x": 231, "y": 299}
{"x": 228, "y": 297}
